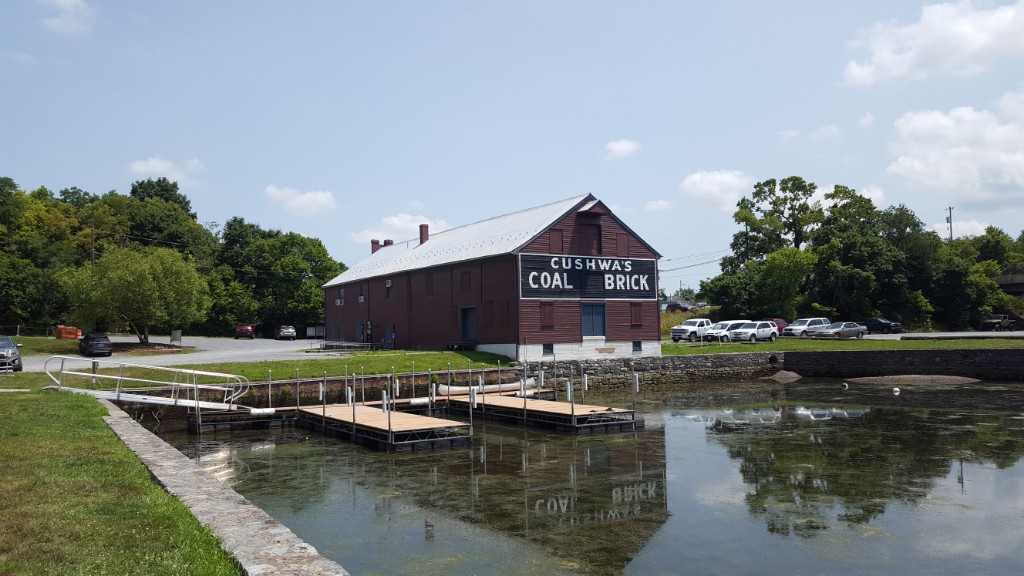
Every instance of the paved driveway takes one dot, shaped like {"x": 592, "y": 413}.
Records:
{"x": 207, "y": 351}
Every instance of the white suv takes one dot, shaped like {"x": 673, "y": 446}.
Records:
{"x": 754, "y": 331}
{"x": 720, "y": 331}
{"x": 691, "y": 330}
{"x": 801, "y": 326}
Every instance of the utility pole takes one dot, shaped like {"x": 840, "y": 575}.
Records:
{"x": 949, "y": 221}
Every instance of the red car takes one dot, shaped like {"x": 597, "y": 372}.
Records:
{"x": 778, "y": 322}
{"x": 245, "y": 331}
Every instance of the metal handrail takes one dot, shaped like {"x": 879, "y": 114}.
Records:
{"x": 179, "y": 379}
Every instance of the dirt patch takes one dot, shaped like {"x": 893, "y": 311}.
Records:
{"x": 151, "y": 348}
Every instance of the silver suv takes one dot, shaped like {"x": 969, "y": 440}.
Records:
{"x": 10, "y": 356}
{"x": 754, "y": 331}
{"x": 801, "y": 326}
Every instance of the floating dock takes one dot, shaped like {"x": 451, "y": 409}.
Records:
{"x": 385, "y": 430}
{"x": 564, "y": 416}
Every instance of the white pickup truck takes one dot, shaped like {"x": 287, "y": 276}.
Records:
{"x": 692, "y": 330}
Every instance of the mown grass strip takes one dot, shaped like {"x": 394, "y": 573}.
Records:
{"x": 76, "y": 500}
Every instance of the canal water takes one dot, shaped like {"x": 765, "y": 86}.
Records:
{"x": 813, "y": 477}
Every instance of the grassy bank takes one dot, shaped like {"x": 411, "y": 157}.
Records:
{"x": 76, "y": 500}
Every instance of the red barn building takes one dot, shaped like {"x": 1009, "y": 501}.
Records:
{"x": 567, "y": 280}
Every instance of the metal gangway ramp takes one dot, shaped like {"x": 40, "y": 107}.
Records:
{"x": 145, "y": 384}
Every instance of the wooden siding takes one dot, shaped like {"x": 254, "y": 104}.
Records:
{"x": 426, "y": 306}
{"x": 573, "y": 229}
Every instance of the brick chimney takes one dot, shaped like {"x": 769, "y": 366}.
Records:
{"x": 424, "y": 233}
{"x": 389, "y": 242}
{"x": 374, "y": 245}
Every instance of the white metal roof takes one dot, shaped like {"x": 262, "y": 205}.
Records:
{"x": 491, "y": 237}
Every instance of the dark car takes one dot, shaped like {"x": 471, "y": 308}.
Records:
{"x": 675, "y": 307}
{"x": 245, "y": 331}
{"x": 95, "y": 344}
{"x": 883, "y": 326}
{"x": 10, "y": 356}
{"x": 778, "y": 322}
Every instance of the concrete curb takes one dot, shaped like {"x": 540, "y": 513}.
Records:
{"x": 259, "y": 544}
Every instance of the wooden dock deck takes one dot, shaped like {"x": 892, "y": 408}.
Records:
{"x": 559, "y": 415}
{"x": 392, "y": 430}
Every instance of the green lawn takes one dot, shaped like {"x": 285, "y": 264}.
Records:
{"x": 76, "y": 500}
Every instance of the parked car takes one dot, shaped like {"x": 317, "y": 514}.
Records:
{"x": 245, "y": 331}
{"x": 882, "y": 325}
{"x": 997, "y": 322}
{"x": 839, "y": 330}
{"x": 10, "y": 356}
{"x": 95, "y": 344}
{"x": 285, "y": 333}
{"x": 754, "y": 331}
{"x": 778, "y": 322}
{"x": 720, "y": 330}
{"x": 691, "y": 330}
{"x": 676, "y": 307}
{"x": 801, "y": 326}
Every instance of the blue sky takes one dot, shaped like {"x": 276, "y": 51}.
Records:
{"x": 347, "y": 121}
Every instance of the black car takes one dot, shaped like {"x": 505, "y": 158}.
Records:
{"x": 883, "y": 326}
{"x": 95, "y": 344}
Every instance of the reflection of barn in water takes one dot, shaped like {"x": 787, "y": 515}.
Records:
{"x": 595, "y": 501}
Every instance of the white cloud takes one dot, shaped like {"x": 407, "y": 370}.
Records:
{"x": 398, "y": 227}
{"x": 826, "y": 132}
{"x": 976, "y": 154}
{"x": 873, "y": 193}
{"x": 787, "y": 135}
{"x": 156, "y": 167}
{"x": 19, "y": 58}
{"x": 658, "y": 205}
{"x": 720, "y": 188}
{"x": 73, "y": 16}
{"x": 299, "y": 203}
{"x": 867, "y": 119}
{"x": 619, "y": 149}
{"x": 960, "y": 38}
{"x": 961, "y": 228}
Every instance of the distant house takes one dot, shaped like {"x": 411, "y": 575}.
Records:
{"x": 567, "y": 280}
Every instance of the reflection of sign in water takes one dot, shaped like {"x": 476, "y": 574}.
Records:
{"x": 576, "y": 277}
{"x": 625, "y": 501}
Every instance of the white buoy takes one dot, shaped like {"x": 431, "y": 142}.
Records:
{"x": 896, "y": 391}
{"x": 845, "y": 385}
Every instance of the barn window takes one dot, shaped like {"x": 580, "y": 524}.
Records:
{"x": 638, "y": 347}
{"x": 548, "y": 349}
{"x": 636, "y": 317}
{"x": 556, "y": 242}
{"x": 592, "y": 319}
{"x": 547, "y": 314}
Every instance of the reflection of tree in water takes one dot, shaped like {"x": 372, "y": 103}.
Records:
{"x": 805, "y": 475}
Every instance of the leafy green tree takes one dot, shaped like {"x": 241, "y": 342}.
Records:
{"x": 145, "y": 289}
{"x": 163, "y": 189}
{"x": 782, "y": 279}
{"x": 994, "y": 245}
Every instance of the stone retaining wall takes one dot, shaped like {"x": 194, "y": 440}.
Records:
{"x": 665, "y": 369}
{"x": 1000, "y": 365}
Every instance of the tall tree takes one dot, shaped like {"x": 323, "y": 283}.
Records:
{"x": 163, "y": 189}
{"x": 145, "y": 289}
